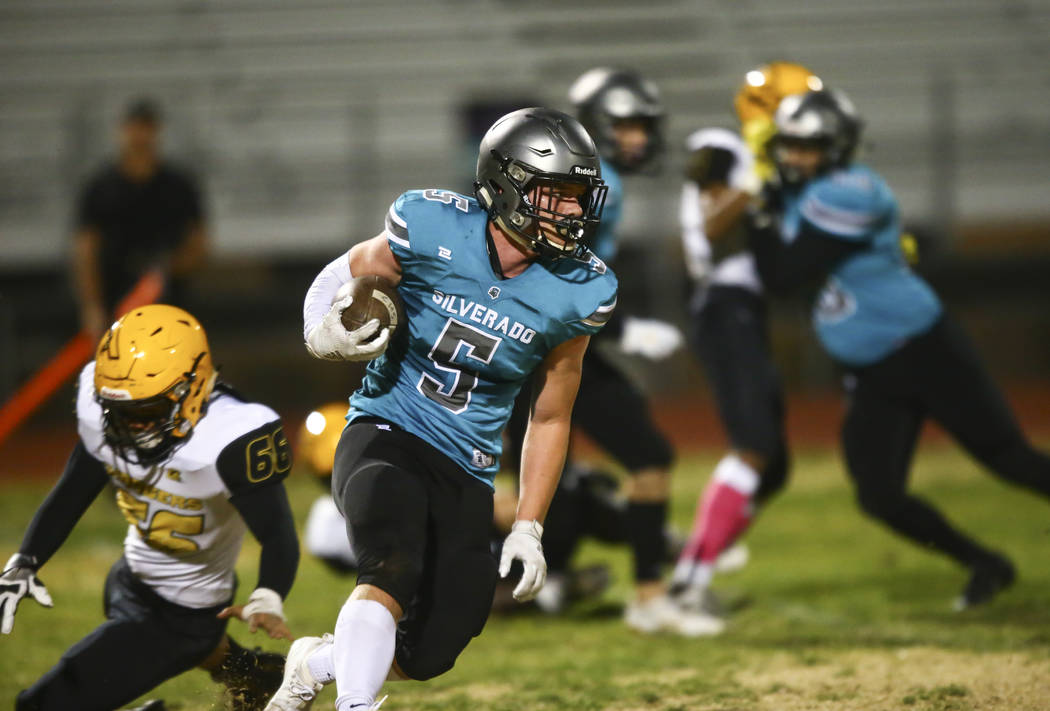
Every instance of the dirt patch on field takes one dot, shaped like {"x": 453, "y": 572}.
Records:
{"x": 919, "y": 678}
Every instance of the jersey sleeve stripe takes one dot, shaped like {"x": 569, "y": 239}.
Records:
{"x": 396, "y": 228}
{"x": 836, "y": 221}
{"x": 601, "y": 315}
{"x": 397, "y": 240}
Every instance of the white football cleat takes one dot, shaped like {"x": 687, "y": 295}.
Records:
{"x": 298, "y": 689}
{"x": 661, "y": 614}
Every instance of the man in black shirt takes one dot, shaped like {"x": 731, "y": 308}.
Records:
{"x": 135, "y": 214}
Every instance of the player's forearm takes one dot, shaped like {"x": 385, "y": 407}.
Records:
{"x": 724, "y": 211}
{"x": 81, "y": 482}
{"x": 542, "y": 460}
{"x": 269, "y": 518}
{"x": 809, "y": 257}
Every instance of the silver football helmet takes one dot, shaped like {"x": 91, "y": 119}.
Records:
{"x": 824, "y": 119}
{"x": 533, "y": 148}
{"x": 603, "y": 96}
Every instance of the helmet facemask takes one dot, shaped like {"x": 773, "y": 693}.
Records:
{"x": 147, "y": 431}
{"x": 523, "y": 202}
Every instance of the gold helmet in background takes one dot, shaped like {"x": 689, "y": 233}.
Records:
{"x": 757, "y": 102}
{"x": 319, "y": 436}
{"x": 153, "y": 377}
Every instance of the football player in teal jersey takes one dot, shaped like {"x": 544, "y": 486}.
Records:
{"x": 835, "y": 219}
{"x": 496, "y": 288}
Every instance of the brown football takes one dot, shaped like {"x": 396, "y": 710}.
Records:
{"x": 374, "y": 297}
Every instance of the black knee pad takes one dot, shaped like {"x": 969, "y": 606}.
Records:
{"x": 451, "y": 610}
{"x": 385, "y": 510}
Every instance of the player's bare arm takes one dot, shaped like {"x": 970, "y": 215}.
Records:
{"x": 547, "y": 437}
{"x": 373, "y": 256}
{"x": 556, "y": 381}
{"x": 723, "y": 208}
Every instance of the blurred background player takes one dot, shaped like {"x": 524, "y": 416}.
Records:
{"x": 135, "y": 214}
{"x": 193, "y": 466}
{"x": 495, "y": 289}
{"x": 829, "y": 218}
{"x": 623, "y": 113}
{"x": 731, "y": 322}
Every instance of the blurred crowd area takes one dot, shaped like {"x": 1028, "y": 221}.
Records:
{"x": 304, "y": 120}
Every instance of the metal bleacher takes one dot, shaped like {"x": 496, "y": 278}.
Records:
{"x": 306, "y": 118}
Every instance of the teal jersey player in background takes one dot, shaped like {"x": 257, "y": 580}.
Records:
{"x": 872, "y": 302}
{"x": 905, "y": 358}
{"x": 495, "y": 291}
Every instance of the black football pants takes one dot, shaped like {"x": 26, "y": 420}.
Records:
{"x": 420, "y": 529}
{"x": 731, "y": 338}
{"x": 145, "y": 640}
{"x": 938, "y": 375}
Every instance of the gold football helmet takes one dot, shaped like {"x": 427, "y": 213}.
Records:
{"x": 320, "y": 435}
{"x": 153, "y": 378}
{"x": 757, "y": 102}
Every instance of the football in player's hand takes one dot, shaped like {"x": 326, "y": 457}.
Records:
{"x": 374, "y": 297}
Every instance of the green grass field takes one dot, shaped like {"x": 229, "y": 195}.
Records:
{"x": 832, "y": 613}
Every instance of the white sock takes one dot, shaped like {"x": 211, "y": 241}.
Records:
{"x": 683, "y": 571}
{"x": 702, "y": 574}
{"x": 737, "y": 474}
{"x": 363, "y": 651}
{"x": 692, "y": 573}
{"x": 320, "y": 664}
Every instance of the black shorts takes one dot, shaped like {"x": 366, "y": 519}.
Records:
{"x": 731, "y": 338}
{"x": 145, "y": 641}
{"x": 420, "y": 529}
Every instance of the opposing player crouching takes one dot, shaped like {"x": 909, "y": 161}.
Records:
{"x": 193, "y": 465}
{"x": 495, "y": 290}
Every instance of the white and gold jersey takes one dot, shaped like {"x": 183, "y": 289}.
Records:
{"x": 184, "y": 535}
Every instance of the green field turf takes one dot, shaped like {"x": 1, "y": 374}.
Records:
{"x": 832, "y": 613}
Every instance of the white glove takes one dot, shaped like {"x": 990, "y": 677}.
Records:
{"x": 331, "y": 341}
{"x": 649, "y": 337}
{"x": 18, "y": 580}
{"x": 523, "y": 543}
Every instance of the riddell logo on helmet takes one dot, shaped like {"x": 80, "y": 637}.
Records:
{"x": 584, "y": 170}
{"x": 114, "y": 393}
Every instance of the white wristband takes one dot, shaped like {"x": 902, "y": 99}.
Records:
{"x": 263, "y": 600}
{"x": 323, "y": 290}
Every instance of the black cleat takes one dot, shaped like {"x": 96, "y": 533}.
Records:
{"x": 988, "y": 576}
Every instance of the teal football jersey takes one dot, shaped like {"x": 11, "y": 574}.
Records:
{"x": 872, "y": 301}
{"x": 472, "y": 338}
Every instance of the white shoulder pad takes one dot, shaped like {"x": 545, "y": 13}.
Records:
{"x": 227, "y": 419}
